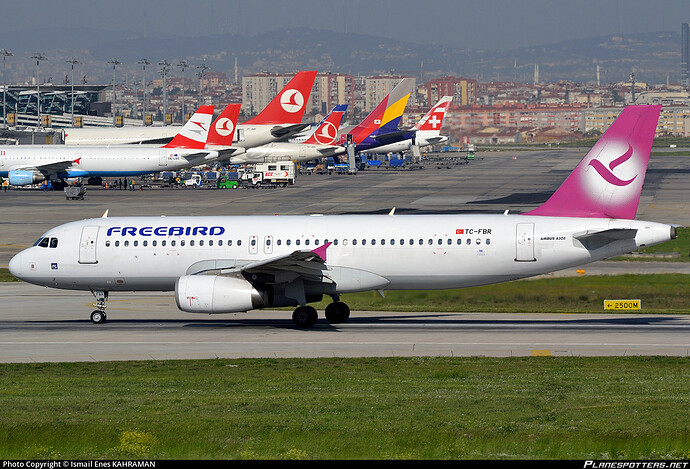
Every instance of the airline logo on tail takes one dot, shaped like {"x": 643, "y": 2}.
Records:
{"x": 195, "y": 132}
{"x": 327, "y": 132}
{"x": 291, "y": 101}
{"x": 387, "y": 115}
{"x": 433, "y": 120}
{"x": 222, "y": 130}
{"x": 608, "y": 181}
{"x": 289, "y": 105}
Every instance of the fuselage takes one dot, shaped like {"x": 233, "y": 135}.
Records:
{"x": 111, "y": 161}
{"x": 287, "y": 150}
{"x": 394, "y": 252}
{"x": 420, "y": 140}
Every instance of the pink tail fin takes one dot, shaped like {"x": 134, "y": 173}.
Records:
{"x": 289, "y": 105}
{"x": 608, "y": 181}
{"x": 222, "y": 130}
{"x": 195, "y": 132}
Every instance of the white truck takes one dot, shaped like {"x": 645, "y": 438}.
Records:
{"x": 279, "y": 173}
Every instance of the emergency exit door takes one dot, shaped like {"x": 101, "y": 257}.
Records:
{"x": 524, "y": 243}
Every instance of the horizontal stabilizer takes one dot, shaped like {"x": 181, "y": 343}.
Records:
{"x": 597, "y": 239}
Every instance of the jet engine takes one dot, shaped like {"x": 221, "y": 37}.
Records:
{"x": 24, "y": 178}
{"x": 217, "y": 294}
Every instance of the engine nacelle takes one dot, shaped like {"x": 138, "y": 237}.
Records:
{"x": 25, "y": 178}
{"x": 216, "y": 294}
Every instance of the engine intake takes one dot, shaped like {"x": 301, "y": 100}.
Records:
{"x": 216, "y": 294}
{"x": 24, "y": 178}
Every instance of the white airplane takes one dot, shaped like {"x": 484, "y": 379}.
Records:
{"x": 320, "y": 143}
{"x": 231, "y": 264}
{"x": 32, "y": 164}
{"x": 281, "y": 119}
{"x": 426, "y": 132}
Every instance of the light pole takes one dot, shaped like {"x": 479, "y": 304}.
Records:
{"x": 115, "y": 63}
{"x": 183, "y": 64}
{"x": 144, "y": 62}
{"x": 202, "y": 69}
{"x": 5, "y": 53}
{"x": 72, "y": 61}
{"x": 38, "y": 56}
{"x": 164, "y": 71}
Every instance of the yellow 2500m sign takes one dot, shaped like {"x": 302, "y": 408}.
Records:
{"x": 622, "y": 304}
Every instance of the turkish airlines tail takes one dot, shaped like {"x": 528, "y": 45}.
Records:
{"x": 608, "y": 181}
{"x": 327, "y": 131}
{"x": 222, "y": 131}
{"x": 195, "y": 132}
{"x": 433, "y": 120}
{"x": 289, "y": 105}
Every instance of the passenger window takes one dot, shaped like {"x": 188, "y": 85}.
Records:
{"x": 469, "y": 241}
{"x": 153, "y": 243}
{"x": 488, "y": 241}
{"x": 191, "y": 242}
{"x": 364, "y": 242}
{"x": 450, "y": 241}
{"x": 126, "y": 244}
{"x": 107, "y": 244}
{"x": 354, "y": 242}
{"x": 117, "y": 244}
{"x": 335, "y": 241}
{"x": 136, "y": 243}
{"x": 229, "y": 242}
{"x": 181, "y": 242}
{"x": 297, "y": 241}
{"x": 201, "y": 242}
{"x": 479, "y": 241}
{"x": 459, "y": 240}
{"x": 146, "y": 243}
{"x": 163, "y": 243}
{"x": 220, "y": 242}
{"x": 288, "y": 242}
{"x": 210, "y": 242}
{"x": 239, "y": 242}
{"x": 306, "y": 242}
{"x": 316, "y": 242}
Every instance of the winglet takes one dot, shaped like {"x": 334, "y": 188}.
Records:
{"x": 608, "y": 181}
{"x": 321, "y": 251}
{"x": 195, "y": 131}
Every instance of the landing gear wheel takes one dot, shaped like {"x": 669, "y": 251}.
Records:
{"x": 305, "y": 316}
{"x": 98, "y": 317}
{"x": 337, "y": 312}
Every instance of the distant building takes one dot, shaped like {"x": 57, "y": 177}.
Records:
{"x": 463, "y": 90}
{"x": 377, "y": 88}
{"x": 684, "y": 54}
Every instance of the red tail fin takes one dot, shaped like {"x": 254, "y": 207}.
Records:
{"x": 195, "y": 131}
{"x": 222, "y": 130}
{"x": 289, "y": 105}
{"x": 327, "y": 132}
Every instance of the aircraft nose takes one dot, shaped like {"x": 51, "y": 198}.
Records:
{"x": 15, "y": 265}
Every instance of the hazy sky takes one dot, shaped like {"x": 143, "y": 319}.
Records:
{"x": 491, "y": 24}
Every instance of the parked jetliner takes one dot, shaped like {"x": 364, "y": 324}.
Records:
{"x": 380, "y": 127}
{"x": 320, "y": 144}
{"x": 281, "y": 119}
{"x": 426, "y": 132}
{"x": 32, "y": 164}
{"x": 234, "y": 264}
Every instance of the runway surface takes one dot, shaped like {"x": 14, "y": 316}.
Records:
{"x": 54, "y": 327}
{"x": 44, "y": 325}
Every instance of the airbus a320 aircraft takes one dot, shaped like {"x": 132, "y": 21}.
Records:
{"x": 32, "y": 164}
{"x": 320, "y": 144}
{"x": 425, "y": 132}
{"x": 235, "y": 264}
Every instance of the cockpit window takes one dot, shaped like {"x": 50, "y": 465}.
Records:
{"x": 43, "y": 242}
{"x": 53, "y": 242}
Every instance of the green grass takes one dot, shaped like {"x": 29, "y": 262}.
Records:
{"x": 368, "y": 408}
{"x": 660, "y": 293}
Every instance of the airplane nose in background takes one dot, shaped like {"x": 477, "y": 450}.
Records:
{"x": 15, "y": 265}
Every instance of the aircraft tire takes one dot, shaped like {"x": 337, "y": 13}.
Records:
{"x": 98, "y": 317}
{"x": 337, "y": 312}
{"x": 305, "y": 316}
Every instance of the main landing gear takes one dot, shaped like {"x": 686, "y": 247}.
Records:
{"x": 336, "y": 313}
{"x": 98, "y": 316}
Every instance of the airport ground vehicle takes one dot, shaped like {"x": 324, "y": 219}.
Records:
{"x": 228, "y": 181}
{"x": 281, "y": 173}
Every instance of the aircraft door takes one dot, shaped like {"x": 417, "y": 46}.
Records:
{"x": 87, "y": 245}
{"x": 253, "y": 244}
{"x": 524, "y": 250}
{"x": 162, "y": 158}
{"x": 268, "y": 244}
